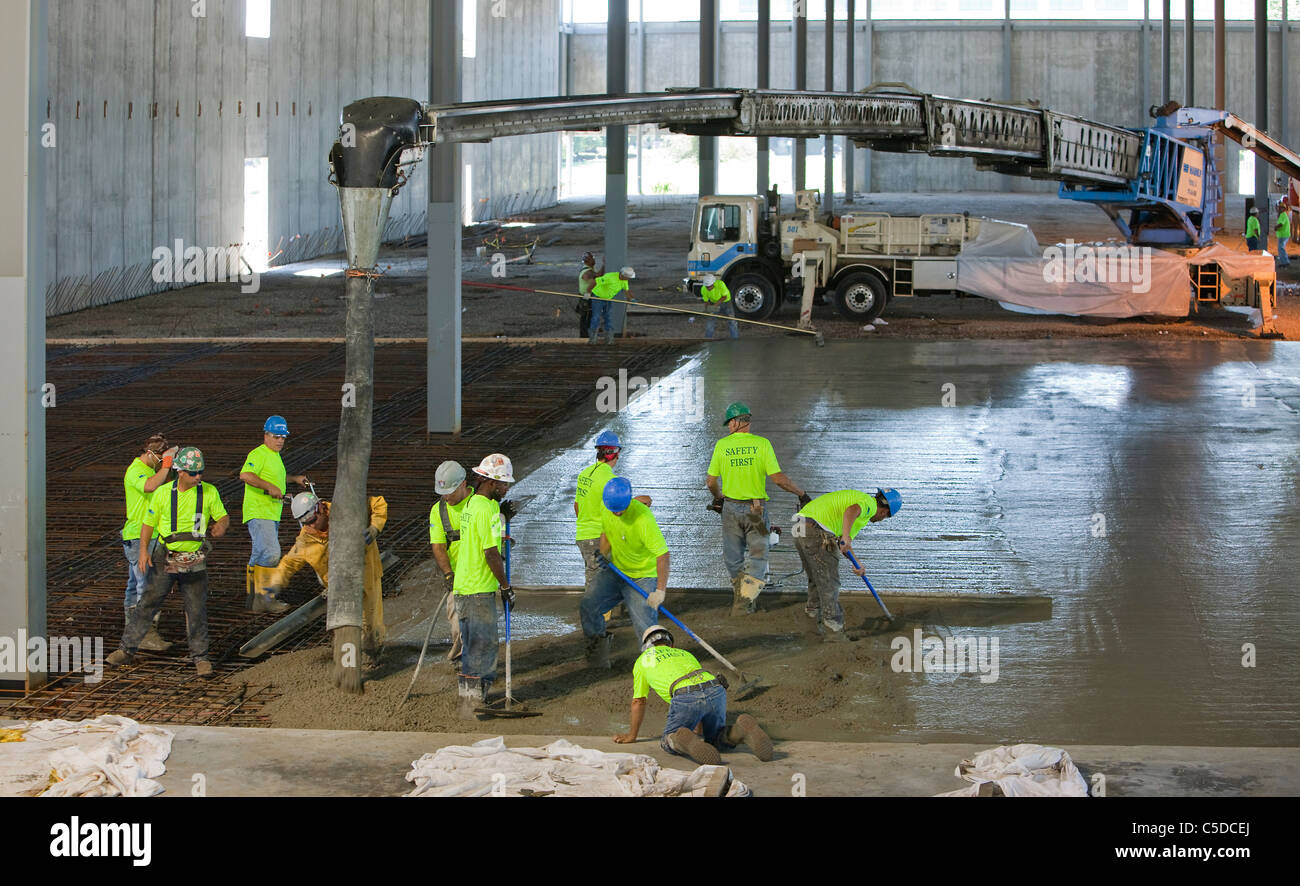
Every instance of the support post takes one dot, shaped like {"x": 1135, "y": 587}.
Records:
{"x": 1189, "y": 55}
{"x": 850, "y": 151}
{"x": 828, "y": 143}
{"x": 1261, "y": 116}
{"x": 443, "y": 381}
{"x": 708, "y": 78}
{"x": 1220, "y": 102}
{"x": 800, "y": 152}
{"x": 1166, "y": 36}
{"x": 616, "y": 155}
{"x": 764, "y": 82}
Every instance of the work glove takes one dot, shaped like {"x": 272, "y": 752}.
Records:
{"x": 371, "y": 534}
{"x": 656, "y": 600}
{"x": 805, "y": 500}
{"x": 716, "y": 506}
{"x": 508, "y": 596}
{"x": 508, "y": 510}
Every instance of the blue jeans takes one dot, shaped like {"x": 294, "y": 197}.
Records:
{"x": 602, "y": 314}
{"x": 477, "y": 614}
{"x": 606, "y": 592}
{"x": 194, "y": 592}
{"x": 266, "y": 542}
{"x": 743, "y": 533}
{"x": 1282, "y": 258}
{"x": 725, "y": 309}
{"x": 135, "y": 579}
{"x": 690, "y": 707}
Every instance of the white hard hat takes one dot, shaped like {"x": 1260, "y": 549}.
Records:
{"x": 710, "y": 279}
{"x": 304, "y": 506}
{"x": 448, "y": 477}
{"x": 628, "y": 273}
{"x": 650, "y": 634}
{"x": 496, "y": 467}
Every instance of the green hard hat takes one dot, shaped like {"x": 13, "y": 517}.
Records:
{"x": 735, "y": 410}
{"x": 189, "y": 460}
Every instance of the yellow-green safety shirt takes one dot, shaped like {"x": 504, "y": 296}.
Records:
{"x": 827, "y": 511}
{"x": 159, "y": 514}
{"x": 659, "y": 666}
{"x": 1252, "y": 226}
{"x": 137, "y": 500}
{"x": 481, "y": 528}
{"x": 438, "y": 535}
{"x": 259, "y": 504}
{"x": 591, "y": 484}
{"x": 634, "y": 539}
{"x": 609, "y": 285}
{"x": 584, "y": 288}
{"x": 1284, "y": 225}
{"x": 743, "y": 462}
{"x": 715, "y": 293}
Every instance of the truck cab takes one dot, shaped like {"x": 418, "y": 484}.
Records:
{"x": 735, "y": 238}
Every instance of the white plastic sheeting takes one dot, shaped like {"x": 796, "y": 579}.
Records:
{"x": 562, "y": 769}
{"x": 108, "y": 756}
{"x": 1023, "y": 770}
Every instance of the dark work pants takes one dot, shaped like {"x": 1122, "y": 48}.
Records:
{"x": 194, "y": 588}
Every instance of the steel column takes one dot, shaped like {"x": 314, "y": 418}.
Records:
{"x": 1261, "y": 115}
{"x": 1189, "y": 55}
{"x": 443, "y": 394}
{"x": 1220, "y": 100}
{"x": 708, "y": 78}
{"x": 849, "y": 151}
{"x": 1165, "y": 39}
{"x": 800, "y": 152}
{"x": 828, "y": 143}
{"x": 764, "y": 81}
{"x": 616, "y": 153}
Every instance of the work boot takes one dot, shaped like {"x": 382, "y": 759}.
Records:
{"x": 267, "y": 603}
{"x": 745, "y": 590}
{"x": 471, "y": 697}
{"x": 118, "y": 659}
{"x": 746, "y": 731}
{"x": 717, "y": 782}
{"x": 153, "y": 641}
{"x": 598, "y": 650}
{"x": 687, "y": 742}
{"x": 203, "y": 667}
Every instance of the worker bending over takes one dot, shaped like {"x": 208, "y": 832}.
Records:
{"x": 602, "y": 306}
{"x": 717, "y": 300}
{"x": 737, "y": 477}
{"x": 629, "y": 539}
{"x": 444, "y": 535}
{"x": 825, "y": 529}
{"x": 697, "y": 704}
{"x": 181, "y": 512}
{"x": 264, "y": 481}
{"x": 147, "y": 472}
{"x": 312, "y": 548}
{"x": 480, "y": 572}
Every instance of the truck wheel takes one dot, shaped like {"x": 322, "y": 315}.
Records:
{"x": 753, "y": 295}
{"x": 860, "y": 297}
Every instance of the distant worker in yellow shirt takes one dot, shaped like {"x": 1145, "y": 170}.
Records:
{"x": 607, "y": 286}
{"x": 264, "y": 488}
{"x": 444, "y": 536}
{"x": 717, "y": 300}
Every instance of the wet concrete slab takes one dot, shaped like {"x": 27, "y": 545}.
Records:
{"x": 316, "y": 762}
{"x": 1148, "y": 490}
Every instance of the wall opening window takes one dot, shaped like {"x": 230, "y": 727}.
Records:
{"x": 257, "y": 18}
{"x": 257, "y": 213}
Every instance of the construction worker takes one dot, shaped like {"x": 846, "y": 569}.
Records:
{"x": 737, "y": 477}
{"x": 602, "y": 307}
{"x": 717, "y": 300}
{"x": 586, "y": 282}
{"x": 824, "y": 530}
{"x": 1283, "y": 229}
{"x": 697, "y": 704}
{"x": 629, "y": 539}
{"x": 311, "y": 548}
{"x": 264, "y": 479}
{"x": 444, "y": 535}
{"x": 147, "y": 472}
{"x": 181, "y": 512}
{"x": 1252, "y": 230}
{"x": 588, "y": 507}
{"x": 480, "y": 572}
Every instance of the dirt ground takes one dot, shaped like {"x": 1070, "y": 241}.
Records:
{"x": 300, "y": 306}
{"x": 812, "y": 689}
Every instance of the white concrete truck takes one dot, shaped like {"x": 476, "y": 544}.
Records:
{"x": 858, "y": 261}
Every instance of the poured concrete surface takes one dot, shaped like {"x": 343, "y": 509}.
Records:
{"x": 1148, "y": 490}
{"x": 315, "y": 762}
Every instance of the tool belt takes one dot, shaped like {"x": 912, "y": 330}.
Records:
{"x": 187, "y": 561}
{"x": 673, "y": 690}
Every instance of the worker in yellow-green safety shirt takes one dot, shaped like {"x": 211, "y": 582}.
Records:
{"x": 444, "y": 536}
{"x": 717, "y": 300}
{"x": 824, "y": 530}
{"x": 181, "y": 512}
{"x": 1252, "y": 230}
{"x": 602, "y": 306}
{"x": 697, "y": 704}
{"x": 147, "y": 472}
{"x": 738, "y": 472}
{"x": 588, "y": 507}
{"x": 1283, "y": 229}
{"x": 264, "y": 481}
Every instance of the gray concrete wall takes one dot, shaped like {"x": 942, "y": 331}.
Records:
{"x": 1087, "y": 68}
{"x": 123, "y": 180}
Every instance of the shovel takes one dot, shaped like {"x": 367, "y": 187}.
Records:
{"x": 748, "y": 685}
{"x": 507, "y": 712}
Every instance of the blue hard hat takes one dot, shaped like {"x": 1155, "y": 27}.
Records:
{"x": 891, "y": 496}
{"x": 617, "y": 495}
{"x": 276, "y": 425}
{"x": 608, "y": 439}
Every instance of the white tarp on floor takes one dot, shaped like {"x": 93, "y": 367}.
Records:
{"x": 108, "y": 756}
{"x": 562, "y": 769}
{"x": 1023, "y": 770}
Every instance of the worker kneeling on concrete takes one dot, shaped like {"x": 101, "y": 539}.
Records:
{"x": 815, "y": 538}
{"x": 631, "y": 540}
{"x": 697, "y": 704}
{"x": 311, "y": 548}
{"x": 480, "y": 572}
{"x": 181, "y": 512}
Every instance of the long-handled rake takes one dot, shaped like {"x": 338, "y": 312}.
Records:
{"x": 748, "y": 685}
{"x": 854, "y": 561}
